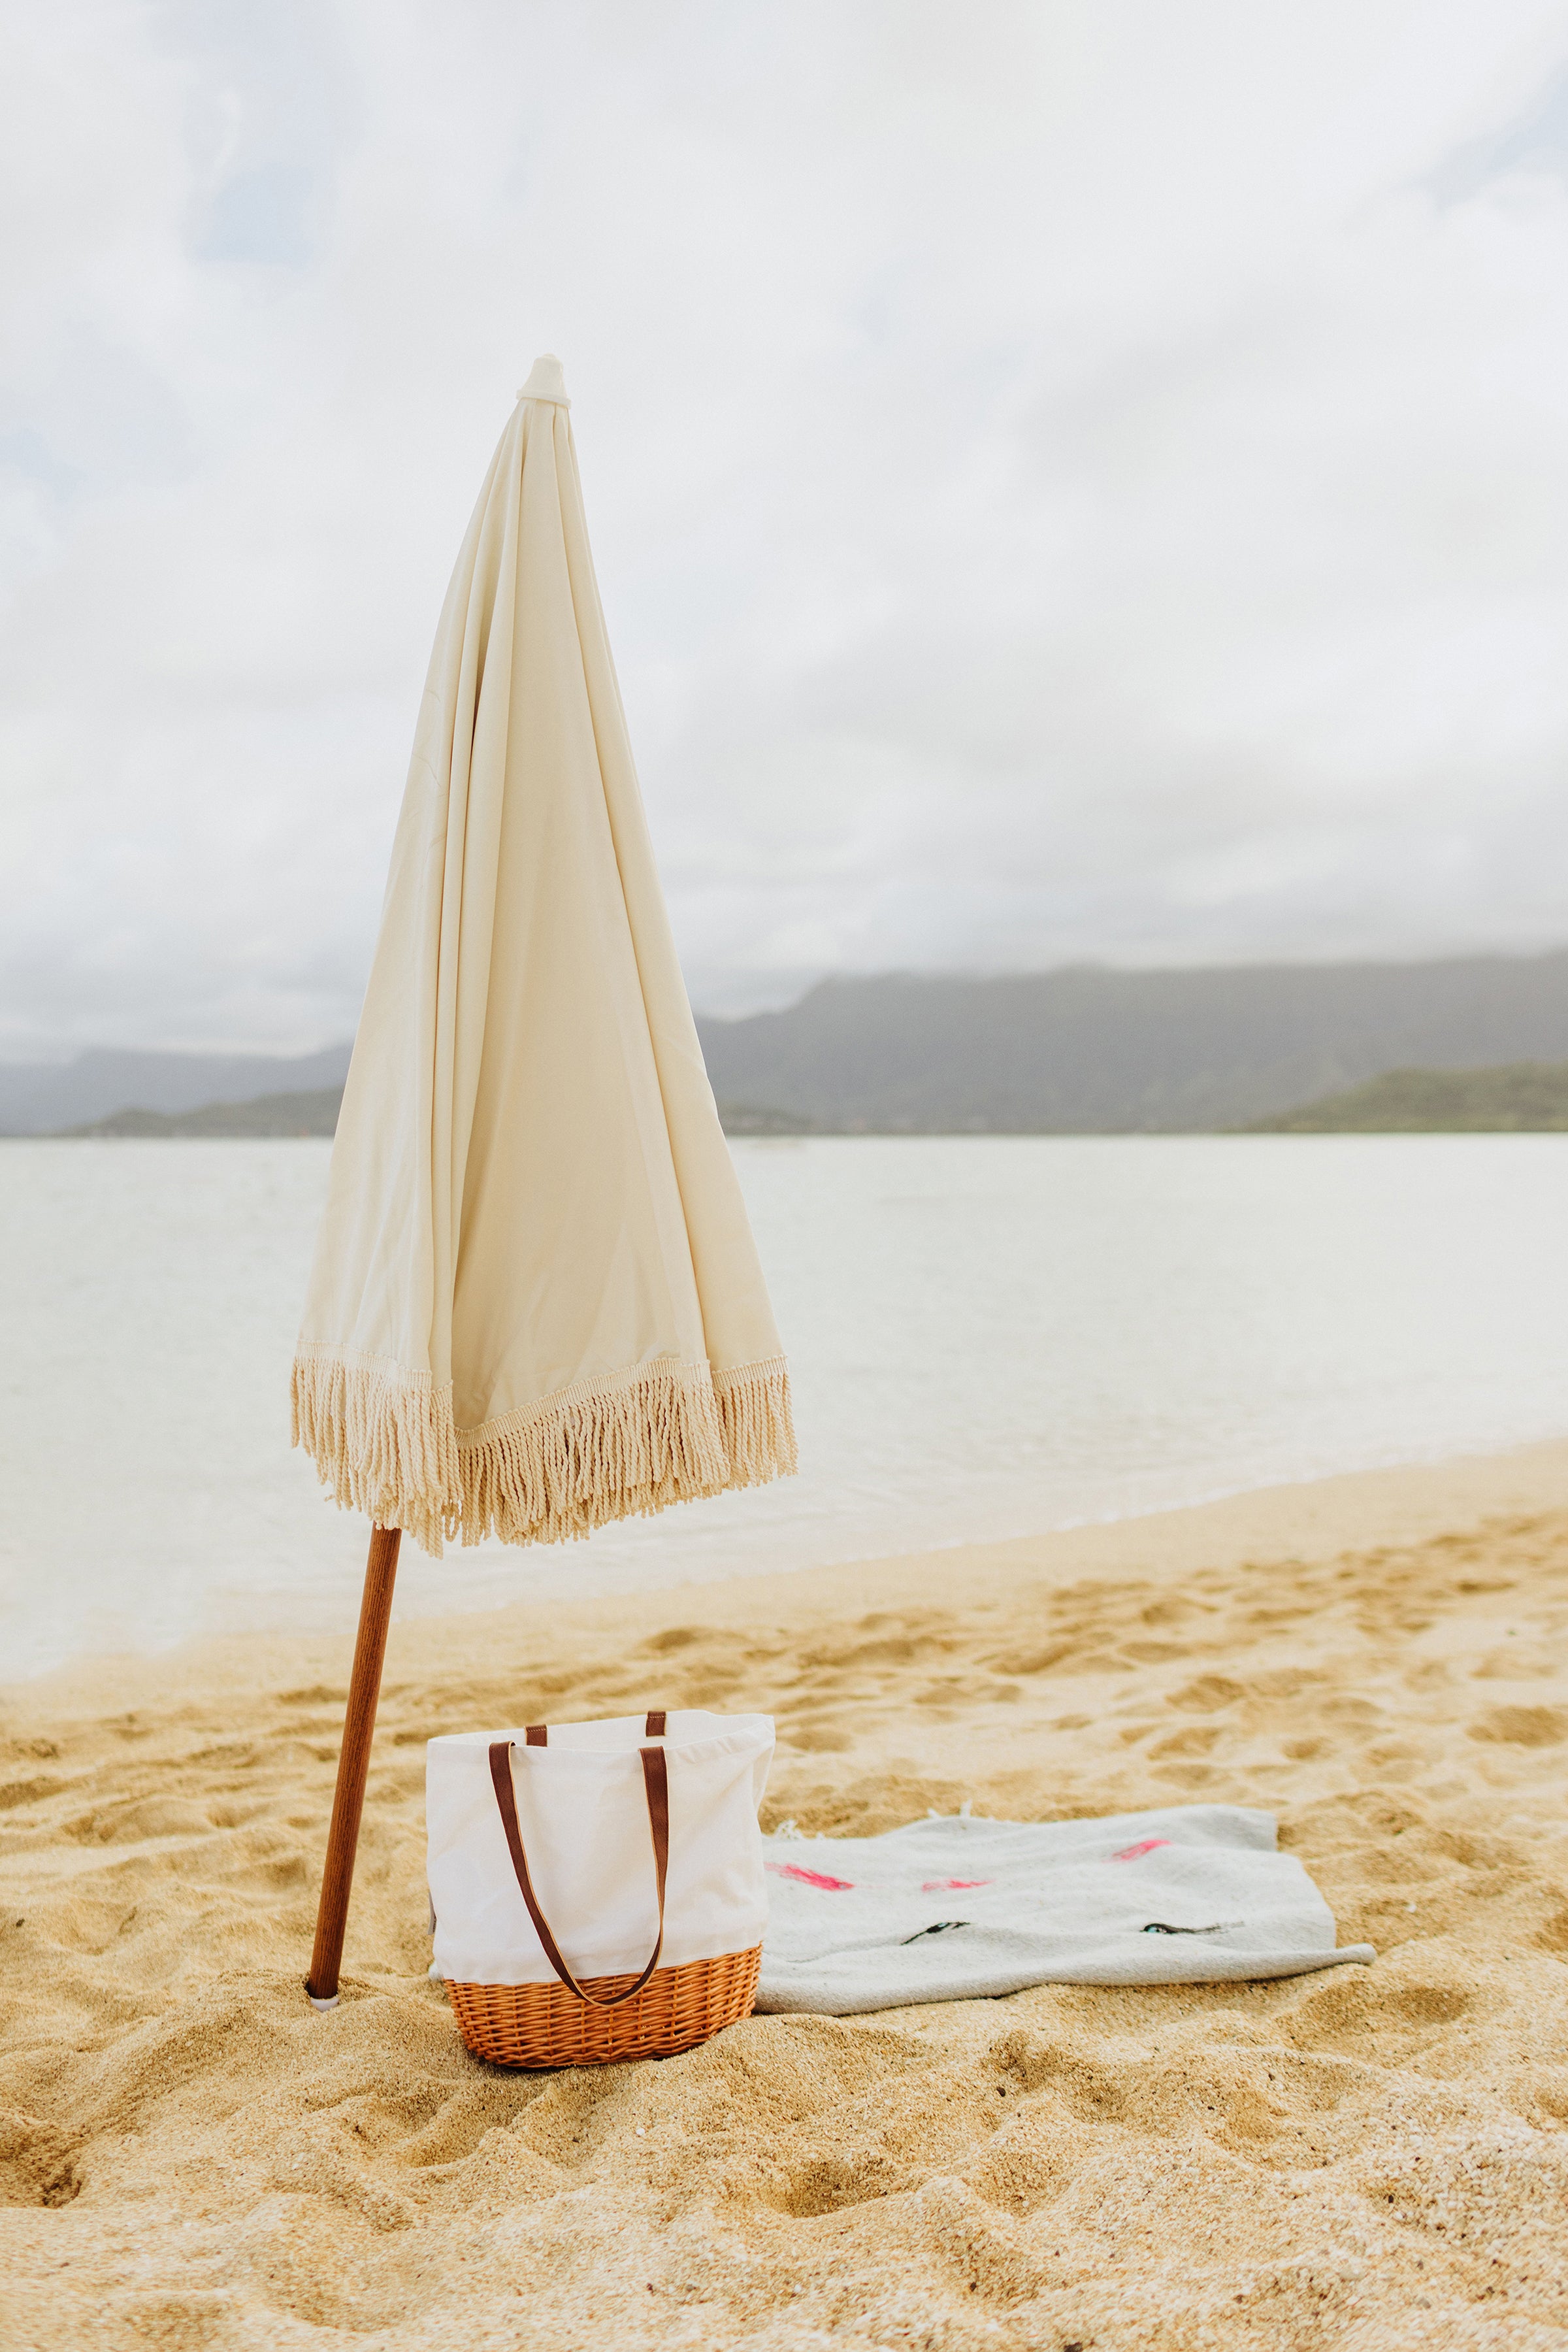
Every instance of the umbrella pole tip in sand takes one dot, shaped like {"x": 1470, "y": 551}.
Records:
{"x": 353, "y": 1767}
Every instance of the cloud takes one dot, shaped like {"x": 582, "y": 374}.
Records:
{"x": 1091, "y": 486}
{"x": 1533, "y": 142}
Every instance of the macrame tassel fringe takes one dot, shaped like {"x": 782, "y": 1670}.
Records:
{"x": 384, "y": 1443}
{"x": 757, "y": 1426}
{"x": 601, "y": 1450}
{"x": 382, "y": 1440}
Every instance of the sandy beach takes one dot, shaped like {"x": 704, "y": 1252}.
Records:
{"x": 1367, "y": 2157}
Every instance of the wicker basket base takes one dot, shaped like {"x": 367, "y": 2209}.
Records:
{"x": 545, "y": 2025}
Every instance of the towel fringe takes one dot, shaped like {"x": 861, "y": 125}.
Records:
{"x": 384, "y": 1442}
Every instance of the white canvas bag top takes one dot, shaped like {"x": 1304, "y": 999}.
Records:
{"x": 582, "y": 1810}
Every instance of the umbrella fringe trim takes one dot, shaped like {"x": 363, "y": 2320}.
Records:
{"x": 384, "y": 1442}
{"x": 382, "y": 1439}
{"x": 757, "y": 1422}
{"x": 623, "y": 1447}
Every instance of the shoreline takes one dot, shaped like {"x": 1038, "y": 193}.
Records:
{"x": 1313, "y": 1518}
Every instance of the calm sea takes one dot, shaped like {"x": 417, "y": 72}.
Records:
{"x": 989, "y": 1337}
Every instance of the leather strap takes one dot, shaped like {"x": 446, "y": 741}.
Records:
{"x": 537, "y": 1735}
{"x": 656, "y": 1787}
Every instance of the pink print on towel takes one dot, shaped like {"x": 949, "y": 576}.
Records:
{"x": 952, "y": 1885}
{"x": 812, "y": 1877}
{"x": 1132, "y": 1852}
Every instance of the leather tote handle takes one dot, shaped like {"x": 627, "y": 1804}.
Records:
{"x": 656, "y": 1787}
{"x": 537, "y": 1735}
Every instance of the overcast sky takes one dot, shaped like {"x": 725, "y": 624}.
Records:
{"x": 1066, "y": 481}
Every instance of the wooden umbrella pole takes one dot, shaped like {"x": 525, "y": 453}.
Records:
{"x": 353, "y": 1765}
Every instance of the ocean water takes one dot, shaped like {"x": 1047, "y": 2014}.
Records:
{"x": 989, "y": 1336}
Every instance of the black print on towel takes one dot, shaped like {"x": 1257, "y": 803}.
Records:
{"x": 1158, "y": 1928}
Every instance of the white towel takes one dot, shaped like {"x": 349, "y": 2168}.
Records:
{"x": 956, "y": 1909}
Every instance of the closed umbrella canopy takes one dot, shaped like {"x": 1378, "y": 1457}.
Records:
{"x": 536, "y": 1304}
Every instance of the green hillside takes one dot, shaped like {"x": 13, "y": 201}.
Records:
{"x": 745, "y": 1119}
{"x": 317, "y": 1114}
{"x": 1522, "y": 1097}
{"x": 1516, "y": 1097}
{"x": 265, "y": 1114}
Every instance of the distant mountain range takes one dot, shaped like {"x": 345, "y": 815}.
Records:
{"x": 46, "y": 1099}
{"x": 1085, "y": 1051}
{"x": 261, "y": 1115}
{"x": 317, "y": 1114}
{"x": 1076, "y": 1052}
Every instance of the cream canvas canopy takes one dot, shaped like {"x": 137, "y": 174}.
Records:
{"x": 536, "y": 1304}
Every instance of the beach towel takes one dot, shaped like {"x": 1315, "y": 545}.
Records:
{"x": 957, "y": 1908}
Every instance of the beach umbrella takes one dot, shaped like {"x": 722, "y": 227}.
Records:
{"x": 535, "y": 1304}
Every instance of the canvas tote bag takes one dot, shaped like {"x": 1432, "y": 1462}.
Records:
{"x": 597, "y": 1888}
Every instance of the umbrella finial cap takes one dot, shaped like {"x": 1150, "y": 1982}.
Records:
{"x": 546, "y": 382}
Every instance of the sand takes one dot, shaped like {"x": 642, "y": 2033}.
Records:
{"x": 1370, "y": 2158}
